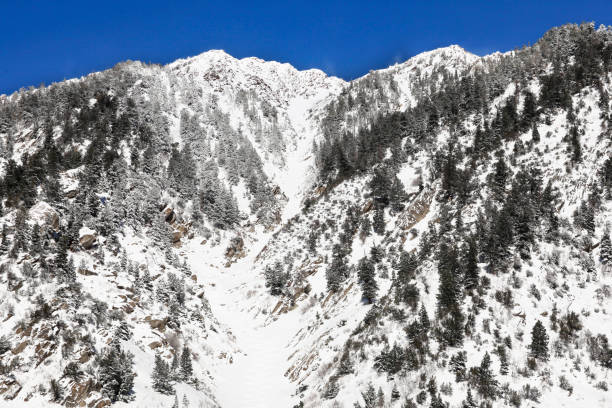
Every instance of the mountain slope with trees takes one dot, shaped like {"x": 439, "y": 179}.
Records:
{"x": 432, "y": 234}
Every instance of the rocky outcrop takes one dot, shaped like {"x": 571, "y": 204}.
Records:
{"x": 87, "y": 241}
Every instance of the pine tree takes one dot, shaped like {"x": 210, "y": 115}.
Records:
{"x": 338, "y": 271}
{"x": 469, "y": 400}
{"x": 186, "y": 366}
{"x": 345, "y": 366}
{"x": 276, "y": 278}
{"x": 378, "y": 221}
{"x": 115, "y": 371}
{"x": 424, "y": 318}
{"x": 500, "y": 178}
{"x": 503, "y": 360}
{"x": 605, "y": 250}
{"x": 470, "y": 274}
{"x": 161, "y": 376}
{"x": 483, "y": 379}
{"x": 367, "y": 279}
{"x": 535, "y": 135}
{"x": 452, "y": 327}
{"x": 575, "y": 145}
{"x": 539, "y": 342}
{"x": 457, "y": 363}
{"x": 369, "y": 397}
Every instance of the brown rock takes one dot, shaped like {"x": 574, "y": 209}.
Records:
{"x": 169, "y": 215}
{"x": 87, "y": 241}
{"x": 158, "y": 324}
{"x": 155, "y": 344}
{"x": 176, "y": 236}
{"x": 71, "y": 193}
{"x": 18, "y": 349}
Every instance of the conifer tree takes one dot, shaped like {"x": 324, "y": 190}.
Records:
{"x": 424, "y": 318}
{"x": 186, "y": 365}
{"x": 539, "y": 342}
{"x": 605, "y": 250}
{"x": 367, "y": 279}
{"x": 470, "y": 274}
{"x": 378, "y": 222}
{"x": 161, "y": 376}
{"x": 469, "y": 400}
{"x": 484, "y": 379}
{"x": 535, "y": 135}
{"x": 116, "y": 373}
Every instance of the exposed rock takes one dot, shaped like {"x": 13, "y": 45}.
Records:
{"x": 10, "y": 388}
{"x": 71, "y": 193}
{"x": 155, "y": 344}
{"x": 170, "y": 215}
{"x": 79, "y": 393}
{"x": 368, "y": 207}
{"x": 158, "y": 324}
{"x": 43, "y": 214}
{"x": 235, "y": 248}
{"x": 19, "y": 348}
{"x": 87, "y": 241}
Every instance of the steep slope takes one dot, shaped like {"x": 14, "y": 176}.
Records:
{"x": 240, "y": 233}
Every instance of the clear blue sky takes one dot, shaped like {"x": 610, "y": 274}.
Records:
{"x": 47, "y": 41}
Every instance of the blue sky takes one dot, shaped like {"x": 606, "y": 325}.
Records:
{"x": 48, "y": 41}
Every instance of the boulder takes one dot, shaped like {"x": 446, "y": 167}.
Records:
{"x": 71, "y": 193}
{"x": 169, "y": 215}
{"x": 18, "y": 349}
{"x": 158, "y": 324}
{"x": 176, "y": 236}
{"x": 155, "y": 344}
{"x": 43, "y": 214}
{"x": 87, "y": 241}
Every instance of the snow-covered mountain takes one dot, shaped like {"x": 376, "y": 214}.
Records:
{"x": 239, "y": 233}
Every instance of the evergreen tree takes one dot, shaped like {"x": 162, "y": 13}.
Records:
{"x": 369, "y": 397}
{"x": 483, "y": 379}
{"x": 338, "y": 271}
{"x": 539, "y": 342}
{"x": 469, "y": 400}
{"x": 161, "y": 376}
{"x": 535, "y": 135}
{"x": 378, "y": 223}
{"x": 276, "y": 278}
{"x": 424, "y": 318}
{"x": 470, "y": 274}
{"x": 448, "y": 290}
{"x": 186, "y": 366}
{"x": 115, "y": 371}
{"x": 453, "y": 327}
{"x": 457, "y": 363}
{"x": 605, "y": 250}
{"x": 367, "y": 279}
{"x": 503, "y": 360}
